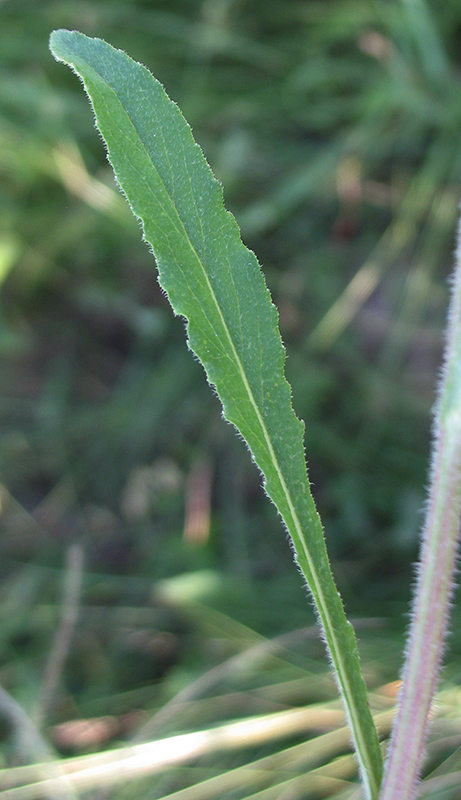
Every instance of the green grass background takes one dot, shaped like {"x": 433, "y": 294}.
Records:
{"x": 334, "y": 126}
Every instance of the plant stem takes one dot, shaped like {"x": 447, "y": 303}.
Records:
{"x": 435, "y": 570}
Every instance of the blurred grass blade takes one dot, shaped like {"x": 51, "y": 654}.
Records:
{"x": 215, "y": 283}
{"x": 422, "y": 29}
{"x": 107, "y": 769}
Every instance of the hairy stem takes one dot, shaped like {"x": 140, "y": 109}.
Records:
{"x": 435, "y": 571}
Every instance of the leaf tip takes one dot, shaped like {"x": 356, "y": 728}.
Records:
{"x": 61, "y": 43}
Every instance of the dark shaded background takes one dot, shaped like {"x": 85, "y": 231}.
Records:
{"x": 335, "y": 130}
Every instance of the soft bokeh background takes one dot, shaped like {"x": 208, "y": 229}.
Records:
{"x": 146, "y": 579}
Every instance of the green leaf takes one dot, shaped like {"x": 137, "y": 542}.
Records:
{"x": 215, "y": 282}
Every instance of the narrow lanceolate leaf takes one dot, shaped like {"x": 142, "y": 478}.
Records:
{"x": 215, "y": 283}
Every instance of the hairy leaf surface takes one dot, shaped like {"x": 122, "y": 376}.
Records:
{"x": 215, "y": 283}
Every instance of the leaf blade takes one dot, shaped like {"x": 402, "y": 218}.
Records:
{"x": 215, "y": 282}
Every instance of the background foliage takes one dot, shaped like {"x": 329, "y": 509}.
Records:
{"x": 335, "y": 129}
